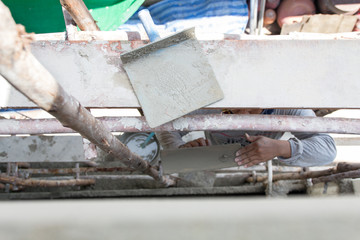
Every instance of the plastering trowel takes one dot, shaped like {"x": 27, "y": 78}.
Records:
{"x": 199, "y": 158}
{"x": 171, "y": 76}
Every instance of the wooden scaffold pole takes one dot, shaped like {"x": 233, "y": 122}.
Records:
{"x": 22, "y": 70}
{"x": 81, "y": 15}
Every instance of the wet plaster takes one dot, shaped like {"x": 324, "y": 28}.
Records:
{"x": 173, "y": 81}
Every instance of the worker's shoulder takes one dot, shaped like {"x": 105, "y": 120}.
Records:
{"x": 295, "y": 112}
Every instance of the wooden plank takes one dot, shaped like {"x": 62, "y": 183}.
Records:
{"x": 251, "y": 73}
{"x": 320, "y": 23}
{"x": 41, "y": 149}
{"x": 329, "y": 23}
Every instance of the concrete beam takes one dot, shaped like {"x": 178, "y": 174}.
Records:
{"x": 252, "y": 73}
{"x": 42, "y": 149}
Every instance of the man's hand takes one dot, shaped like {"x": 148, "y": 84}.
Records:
{"x": 196, "y": 143}
{"x": 261, "y": 149}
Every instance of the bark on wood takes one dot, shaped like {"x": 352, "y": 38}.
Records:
{"x": 80, "y": 14}
{"x": 44, "y": 183}
{"x": 293, "y": 176}
{"x": 56, "y": 171}
{"x": 344, "y": 167}
{"x": 337, "y": 177}
{"x": 22, "y": 70}
{"x": 340, "y": 168}
{"x": 11, "y": 187}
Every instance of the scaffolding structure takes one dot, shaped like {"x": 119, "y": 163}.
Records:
{"x": 67, "y": 74}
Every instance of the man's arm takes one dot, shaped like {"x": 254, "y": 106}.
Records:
{"x": 306, "y": 149}
{"x": 309, "y": 149}
{"x": 315, "y": 150}
{"x": 262, "y": 149}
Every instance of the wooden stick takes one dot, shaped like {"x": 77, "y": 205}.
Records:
{"x": 22, "y": 70}
{"x": 11, "y": 188}
{"x": 344, "y": 167}
{"x": 44, "y": 183}
{"x": 81, "y": 15}
{"x": 56, "y": 171}
{"x": 337, "y": 177}
{"x": 293, "y": 176}
{"x": 341, "y": 167}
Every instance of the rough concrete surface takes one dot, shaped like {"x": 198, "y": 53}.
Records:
{"x": 41, "y": 149}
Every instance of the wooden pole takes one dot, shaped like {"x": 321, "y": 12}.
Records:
{"x": 56, "y": 171}
{"x": 45, "y": 183}
{"x": 81, "y": 15}
{"x": 337, "y": 177}
{"x": 344, "y": 167}
{"x": 293, "y": 176}
{"x": 11, "y": 187}
{"x": 349, "y": 169}
{"x": 22, "y": 70}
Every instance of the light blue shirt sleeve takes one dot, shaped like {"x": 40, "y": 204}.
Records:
{"x": 308, "y": 149}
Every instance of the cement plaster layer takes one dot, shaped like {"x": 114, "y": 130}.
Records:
{"x": 251, "y": 73}
{"x": 41, "y": 149}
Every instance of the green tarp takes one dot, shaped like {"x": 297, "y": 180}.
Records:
{"x": 45, "y": 16}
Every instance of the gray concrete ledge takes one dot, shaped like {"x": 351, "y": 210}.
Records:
{"x": 200, "y": 218}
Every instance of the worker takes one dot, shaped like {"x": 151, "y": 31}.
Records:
{"x": 304, "y": 149}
